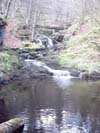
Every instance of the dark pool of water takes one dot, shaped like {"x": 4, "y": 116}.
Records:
{"x": 51, "y": 106}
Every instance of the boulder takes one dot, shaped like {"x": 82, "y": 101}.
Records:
{"x": 75, "y": 73}
{"x": 84, "y": 75}
{"x": 58, "y": 37}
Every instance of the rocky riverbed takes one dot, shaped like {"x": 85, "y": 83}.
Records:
{"x": 36, "y": 62}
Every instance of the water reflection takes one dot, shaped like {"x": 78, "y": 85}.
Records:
{"x": 47, "y": 108}
{"x": 63, "y": 81}
{"x": 4, "y": 115}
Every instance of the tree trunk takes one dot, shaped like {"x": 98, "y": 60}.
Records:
{"x": 35, "y": 19}
{"x": 8, "y": 8}
{"x": 29, "y": 12}
{"x": 82, "y": 14}
{"x": 11, "y": 126}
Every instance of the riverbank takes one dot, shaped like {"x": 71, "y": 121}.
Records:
{"x": 82, "y": 50}
{"x": 19, "y": 64}
{"x": 79, "y": 54}
{"x": 11, "y": 61}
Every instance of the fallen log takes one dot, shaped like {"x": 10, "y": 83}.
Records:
{"x": 12, "y": 126}
{"x": 50, "y": 27}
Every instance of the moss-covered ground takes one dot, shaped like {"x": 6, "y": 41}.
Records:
{"x": 82, "y": 51}
{"x": 29, "y": 46}
{"x": 8, "y": 60}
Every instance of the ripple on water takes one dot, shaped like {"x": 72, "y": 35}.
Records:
{"x": 47, "y": 121}
{"x": 62, "y": 81}
{"x": 73, "y": 129}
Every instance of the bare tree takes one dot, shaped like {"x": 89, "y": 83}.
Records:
{"x": 29, "y": 12}
{"x": 35, "y": 18}
{"x": 8, "y": 8}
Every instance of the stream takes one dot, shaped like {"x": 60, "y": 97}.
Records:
{"x": 56, "y": 73}
{"x": 53, "y": 104}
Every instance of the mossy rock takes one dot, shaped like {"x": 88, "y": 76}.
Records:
{"x": 8, "y": 61}
{"x": 3, "y": 20}
{"x": 29, "y": 46}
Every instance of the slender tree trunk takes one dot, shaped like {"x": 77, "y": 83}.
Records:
{"x": 8, "y": 8}
{"x": 82, "y": 13}
{"x": 29, "y": 12}
{"x": 35, "y": 19}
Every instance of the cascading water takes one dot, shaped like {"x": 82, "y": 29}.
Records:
{"x": 61, "y": 77}
{"x": 47, "y": 43}
{"x": 50, "y": 43}
{"x": 53, "y": 71}
{"x": 40, "y": 42}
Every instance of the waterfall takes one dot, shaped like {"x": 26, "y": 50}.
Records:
{"x": 61, "y": 77}
{"x": 53, "y": 71}
{"x": 57, "y": 72}
{"x": 47, "y": 43}
{"x": 40, "y": 42}
{"x": 50, "y": 43}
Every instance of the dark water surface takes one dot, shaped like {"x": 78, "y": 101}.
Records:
{"x": 53, "y": 105}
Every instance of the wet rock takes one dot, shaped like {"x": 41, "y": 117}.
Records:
{"x": 27, "y": 73}
{"x": 40, "y": 75}
{"x": 75, "y": 73}
{"x": 46, "y": 73}
{"x": 90, "y": 76}
{"x": 1, "y": 75}
{"x": 27, "y": 54}
{"x": 4, "y": 77}
{"x": 22, "y": 51}
{"x": 33, "y": 70}
{"x": 58, "y": 37}
{"x": 39, "y": 49}
{"x": 20, "y": 74}
{"x": 53, "y": 64}
{"x": 32, "y": 54}
{"x": 24, "y": 55}
{"x": 94, "y": 76}
{"x": 84, "y": 75}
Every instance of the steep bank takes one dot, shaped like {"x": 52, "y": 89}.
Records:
{"x": 82, "y": 51}
{"x": 12, "y": 62}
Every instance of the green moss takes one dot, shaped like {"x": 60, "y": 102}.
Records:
{"x": 3, "y": 20}
{"x": 96, "y": 30}
{"x": 81, "y": 52}
{"x": 29, "y": 46}
{"x": 8, "y": 60}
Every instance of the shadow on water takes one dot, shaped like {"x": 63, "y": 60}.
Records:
{"x": 4, "y": 115}
{"x": 52, "y": 105}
